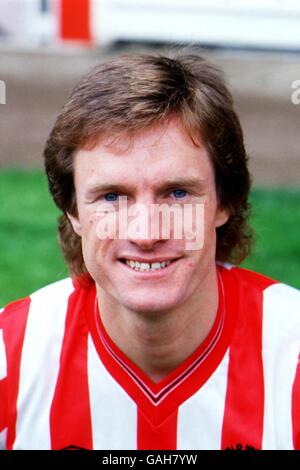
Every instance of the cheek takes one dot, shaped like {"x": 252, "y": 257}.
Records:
{"x": 210, "y": 215}
{"x": 91, "y": 243}
{"x": 99, "y": 238}
{"x": 89, "y": 222}
{"x": 202, "y": 219}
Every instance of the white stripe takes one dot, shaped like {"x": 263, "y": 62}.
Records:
{"x": 3, "y": 435}
{"x": 227, "y": 266}
{"x": 113, "y": 412}
{"x": 200, "y": 418}
{"x": 40, "y": 364}
{"x": 1, "y": 310}
{"x": 3, "y": 364}
{"x": 281, "y": 340}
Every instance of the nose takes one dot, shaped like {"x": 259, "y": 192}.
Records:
{"x": 145, "y": 244}
{"x": 144, "y": 229}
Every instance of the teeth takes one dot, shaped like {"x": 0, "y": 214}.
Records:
{"x": 144, "y": 266}
{"x": 147, "y": 266}
{"x": 155, "y": 265}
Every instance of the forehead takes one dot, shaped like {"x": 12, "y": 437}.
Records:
{"x": 159, "y": 152}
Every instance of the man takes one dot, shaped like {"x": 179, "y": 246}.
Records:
{"x": 156, "y": 342}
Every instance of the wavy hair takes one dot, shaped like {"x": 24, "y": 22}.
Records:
{"x": 132, "y": 93}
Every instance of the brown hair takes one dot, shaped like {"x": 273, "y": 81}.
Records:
{"x": 133, "y": 92}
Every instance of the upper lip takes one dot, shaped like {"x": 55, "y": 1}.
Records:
{"x": 149, "y": 260}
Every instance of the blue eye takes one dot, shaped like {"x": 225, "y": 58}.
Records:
{"x": 179, "y": 193}
{"x": 111, "y": 197}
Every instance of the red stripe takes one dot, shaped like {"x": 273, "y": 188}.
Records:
{"x": 75, "y": 20}
{"x": 13, "y": 333}
{"x": 162, "y": 437}
{"x": 244, "y": 405}
{"x": 296, "y": 408}
{"x": 70, "y": 417}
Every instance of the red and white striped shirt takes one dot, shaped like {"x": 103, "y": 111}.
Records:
{"x": 63, "y": 382}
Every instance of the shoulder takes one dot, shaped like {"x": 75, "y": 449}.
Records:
{"x": 33, "y": 320}
{"x": 271, "y": 288}
{"x": 48, "y": 298}
{"x": 53, "y": 295}
{"x": 260, "y": 282}
{"x": 246, "y": 277}
{"x": 279, "y": 302}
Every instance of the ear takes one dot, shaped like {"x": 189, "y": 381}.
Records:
{"x": 75, "y": 223}
{"x": 222, "y": 217}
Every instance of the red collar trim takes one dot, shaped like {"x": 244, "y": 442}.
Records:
{"x": 185, "y": 379}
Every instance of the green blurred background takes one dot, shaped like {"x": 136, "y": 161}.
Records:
{"x": 31, "y": 258}
{"x": 38, "y": 80}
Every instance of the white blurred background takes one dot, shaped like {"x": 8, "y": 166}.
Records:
{"x": 247, "y": 23}
{"x": 47, "y": 45}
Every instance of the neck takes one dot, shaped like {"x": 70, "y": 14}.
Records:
{"x": 159, "y": 343}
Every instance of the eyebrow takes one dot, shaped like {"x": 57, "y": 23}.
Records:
{"x": 189, "y": 183}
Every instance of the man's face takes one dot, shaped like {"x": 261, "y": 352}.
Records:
{"x": 158, "y": 166}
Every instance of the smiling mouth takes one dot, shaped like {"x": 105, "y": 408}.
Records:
{"x": 147, "y": 267}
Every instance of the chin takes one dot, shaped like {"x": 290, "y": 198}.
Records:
{"x": 150, "y": 304}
